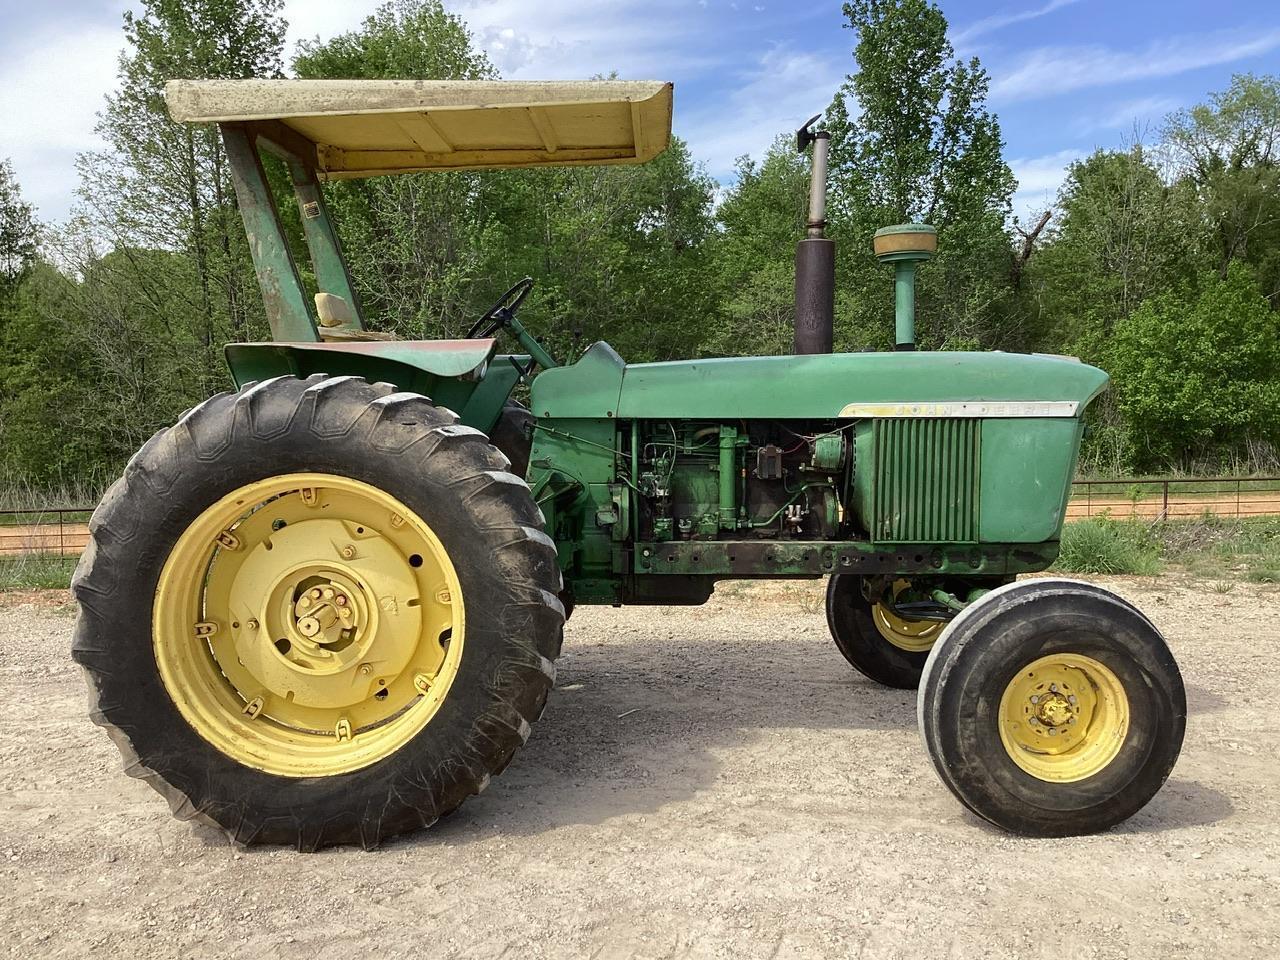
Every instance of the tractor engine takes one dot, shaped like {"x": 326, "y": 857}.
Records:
{"x": 756, "y": 479}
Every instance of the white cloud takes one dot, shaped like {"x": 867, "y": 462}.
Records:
{"x": 1039, "y": 179}
{"x": 563, "y": 39}
{"x": 1052, "y": 70}
{"x": 47, "y": 115}
{"x": 1138, "y": 114}
{"x": 308, "y": 19}
{"x": 1000, "y": 20}
{"x": 781, "y": 90}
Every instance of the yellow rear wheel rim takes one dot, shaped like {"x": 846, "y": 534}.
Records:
{"x": 308, "y": 624}
{"x": 914, "y": 636}
{"x": 1064, "y": 717}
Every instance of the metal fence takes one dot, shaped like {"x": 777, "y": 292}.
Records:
{"x": 1169, "y": 498}
{"x": 63, "y": 532}
{"x": 49, "y": 532}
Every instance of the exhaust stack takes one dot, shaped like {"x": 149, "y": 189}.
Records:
{"x": 905, "y": 245}
{"x": 815, "y": 254}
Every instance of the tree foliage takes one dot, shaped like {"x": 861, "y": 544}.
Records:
{"x": 430, "y": 251}
{"x": 18, "y": 233}
{"x": 1200, "y": 369}
{"x": 1160, "y": 262}
{"x": 1228, "y": 151}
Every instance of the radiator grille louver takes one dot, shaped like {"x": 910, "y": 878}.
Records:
{"x": 926, "y": 480}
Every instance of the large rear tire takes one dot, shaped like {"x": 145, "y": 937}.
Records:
{"x": 317, "y": 612}
{"x": 1052, "y": 708}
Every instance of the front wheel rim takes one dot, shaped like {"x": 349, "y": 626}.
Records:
{"x": 913, "y": 636}
{"x": 308, "y": 624}
{"x": 1064, "y": 717}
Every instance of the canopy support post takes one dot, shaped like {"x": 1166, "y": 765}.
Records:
{"x": 330, "y": 266}
{"x": 283, "y": 295}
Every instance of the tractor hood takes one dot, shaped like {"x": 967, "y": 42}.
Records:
{"x": 853, "y": 385}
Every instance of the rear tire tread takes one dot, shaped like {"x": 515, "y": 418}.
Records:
{"x": 410, "y": 426}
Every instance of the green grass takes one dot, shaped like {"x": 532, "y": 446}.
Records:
{"x": 35, "y": 573}
{"x": 1224, "y": 547}
{"x": 33, "y": 500}
{"x": 1103, "y": 545}
{"x": 1220, "y": 550}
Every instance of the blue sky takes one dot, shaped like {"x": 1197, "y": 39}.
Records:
{"x": 1067, "y": 75}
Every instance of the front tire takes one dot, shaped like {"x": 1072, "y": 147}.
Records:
{"x": 317, "y": 612}
{"x": 879, "y": 644}
{"x": 1052, "y": 708}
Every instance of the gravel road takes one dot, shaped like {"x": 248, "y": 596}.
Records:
{"x": 707, "y": 782}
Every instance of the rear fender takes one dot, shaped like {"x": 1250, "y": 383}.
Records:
{"x": 463, "y": 375}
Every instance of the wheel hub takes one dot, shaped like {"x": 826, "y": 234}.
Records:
{"x": 323, "y": 610}
{"x": 319, "y": 619}
{"x": 324, "y": 614}
{"x": 1054, "y": 710}
{"x": 1064, "y": 717}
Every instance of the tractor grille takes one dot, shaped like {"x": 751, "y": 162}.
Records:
{"x": 926, "y": 480}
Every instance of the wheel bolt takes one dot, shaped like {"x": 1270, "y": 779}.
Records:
{"x": 348, "y": 552}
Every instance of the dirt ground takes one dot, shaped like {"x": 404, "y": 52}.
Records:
{"x": 710, "y": 782}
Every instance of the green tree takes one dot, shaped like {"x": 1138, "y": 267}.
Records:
{"x": 18, "y": 233}
{"x": 1229, "y": 150}
{"x": 1120, "y": 235}
{"x": 922, "y": 145}
{"x": 166, "y": 186}
{"x": 761, "y": 217}
{"x": 1197, "y": 372}
{"x": 54, "y": 431}
{"x": 410, "y": 239}
{"x": 430, "y": 251}
{"x": 619, "y": 252}
{"x": 919, "y": 144}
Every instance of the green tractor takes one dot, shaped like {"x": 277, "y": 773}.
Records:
{"x": 325, "y": 608}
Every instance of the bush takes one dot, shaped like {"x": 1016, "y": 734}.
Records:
{"x": 1103, "y": 545}
{"x": 1197, "y": 372}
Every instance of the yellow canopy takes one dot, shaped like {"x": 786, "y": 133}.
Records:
{"x": 363, "y": 128}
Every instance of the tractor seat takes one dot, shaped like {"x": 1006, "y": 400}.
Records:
{"x": 338, "y": 323}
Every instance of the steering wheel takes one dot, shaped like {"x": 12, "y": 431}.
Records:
{"x": 501, "y": 313}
